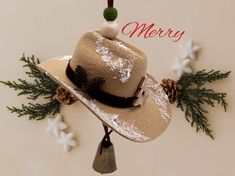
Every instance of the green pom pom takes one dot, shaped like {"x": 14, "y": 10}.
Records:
{"x": 110, "y": 13}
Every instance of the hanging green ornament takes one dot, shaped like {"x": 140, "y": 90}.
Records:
{"x": 110, "y": 13}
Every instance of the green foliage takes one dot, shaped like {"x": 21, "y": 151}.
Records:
{"x": 193, "y": 95}
{"x": 40, "y": 86}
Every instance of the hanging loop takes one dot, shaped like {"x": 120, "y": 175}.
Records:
{"x": 110, "y": 3}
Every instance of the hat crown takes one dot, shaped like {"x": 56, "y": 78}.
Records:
{"x": 119, "y": 63}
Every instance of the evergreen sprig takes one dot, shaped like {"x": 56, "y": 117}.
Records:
{"x": 40, "y": 86}
{"x": 193, "y": 95}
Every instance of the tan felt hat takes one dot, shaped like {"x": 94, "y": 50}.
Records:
{"x": 109, "y": 77}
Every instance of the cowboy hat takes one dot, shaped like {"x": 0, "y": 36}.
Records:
{"x": 109, "y": 77}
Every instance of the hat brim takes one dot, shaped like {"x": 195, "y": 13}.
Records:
{"x": 139, "y": 124}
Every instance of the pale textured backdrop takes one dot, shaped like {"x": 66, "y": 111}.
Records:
{"x": 49, "y": 28}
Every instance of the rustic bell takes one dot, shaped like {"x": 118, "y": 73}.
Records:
{"x": 104, "y": 161}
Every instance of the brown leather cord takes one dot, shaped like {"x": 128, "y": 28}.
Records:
{"x": 106, "y": 142}
{"x": 110, "y": 3}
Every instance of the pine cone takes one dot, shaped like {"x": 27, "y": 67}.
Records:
{"x": 171, "y": 89}
{"x": 64, "y": 96}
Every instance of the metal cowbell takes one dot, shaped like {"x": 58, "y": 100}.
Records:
{"x": 104, "y": 161}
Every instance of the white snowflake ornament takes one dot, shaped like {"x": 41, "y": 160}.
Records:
{"x": 181, "y": 66}
{"x": 190, "y": 50}
{"x": 67, "y": 140}
{"x": 55, "y": 125}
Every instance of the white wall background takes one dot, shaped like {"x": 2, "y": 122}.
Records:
{"x": 49, "y": 28}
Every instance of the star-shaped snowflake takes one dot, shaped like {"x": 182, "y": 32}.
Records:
{"x": 181, "y": 66}
{"x": 55, "y": 125}
{"x": 67, "y": 140}
{"x": 190, "y": 50}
